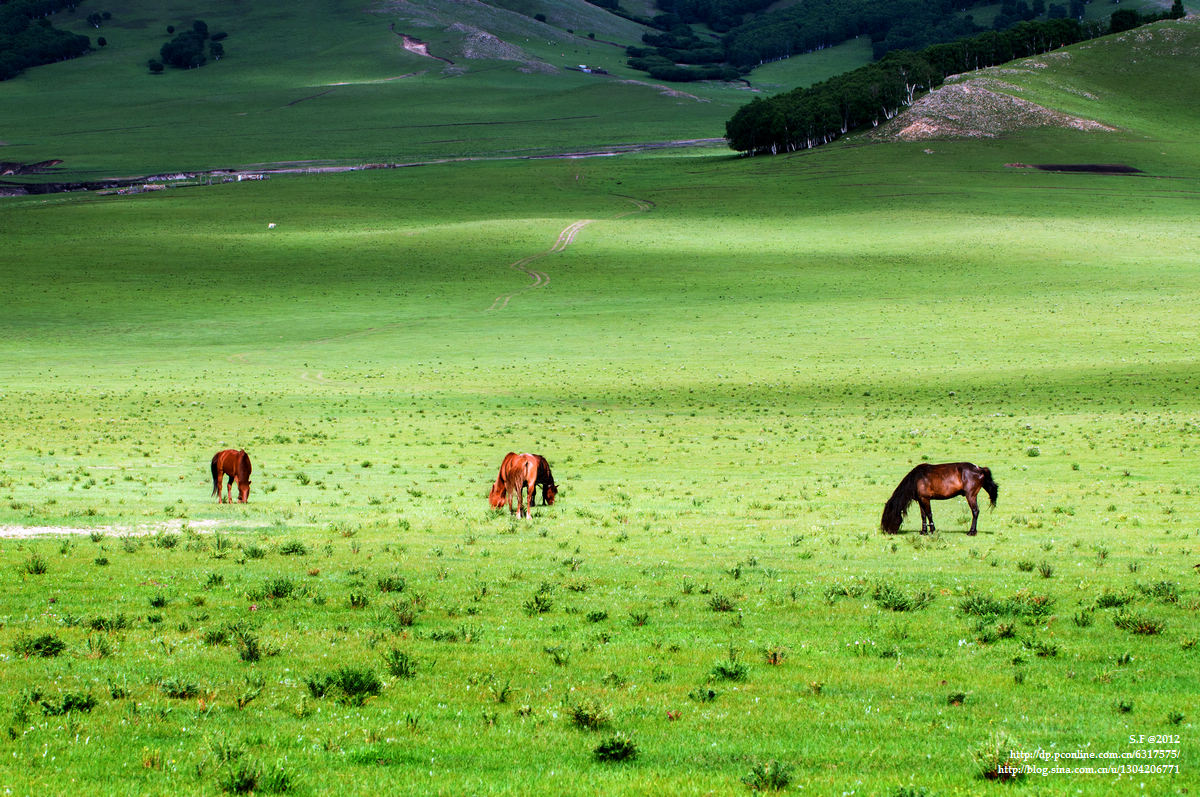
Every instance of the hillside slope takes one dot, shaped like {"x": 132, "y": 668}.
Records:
{"x": 334, "y": 81}
{"x": 1140, "y": 82}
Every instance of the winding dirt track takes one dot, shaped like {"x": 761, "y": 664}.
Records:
{"x": 539, "y": 279}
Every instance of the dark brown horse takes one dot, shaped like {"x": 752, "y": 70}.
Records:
{"x": 933, "y": 482}
{"x": 520, "y": 474}
{"x": 546, "y": 479}
{"x": 235, "y": 464}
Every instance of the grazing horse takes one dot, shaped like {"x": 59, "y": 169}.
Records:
{"x": 520, "y": 474}
{"x": 933, "y": 482}
{"x": 546, "y": 479}
{"x": 235, "y": 464}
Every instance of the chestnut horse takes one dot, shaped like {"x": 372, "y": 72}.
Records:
{"x": 933, "y": 482}
{"x": 235, "y": 464}
{"x": 521, "y": 474}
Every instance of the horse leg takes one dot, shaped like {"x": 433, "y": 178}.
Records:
{"x": 229, "y": 491}
{"x": 974, "y": 512}
{"x": 926, "y": 513}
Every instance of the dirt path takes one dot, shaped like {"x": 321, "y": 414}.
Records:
{"x": 539, "y": 279}
{"x": 23, "y": 532}
{"x": 133, "y": 185}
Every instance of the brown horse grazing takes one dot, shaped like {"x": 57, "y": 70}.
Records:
{"x": 933, "y": 482}
{"x": 235, "y": 464}
{"x": 520, "y": 474}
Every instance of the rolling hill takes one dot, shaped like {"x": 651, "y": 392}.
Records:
{"x": 1137, "y": 82}
{"x": 345, "y": 83}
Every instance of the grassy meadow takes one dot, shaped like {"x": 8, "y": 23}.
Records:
{"x": 730, "y": 366}
{"x": 331, "y": 82}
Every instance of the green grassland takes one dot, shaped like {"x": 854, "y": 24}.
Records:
{"x": 731, "y": 365}
{"x": 320, "y": 81}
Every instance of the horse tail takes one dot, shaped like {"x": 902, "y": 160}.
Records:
{"x": 216, "y": 474}
{"x": 990, "y": 486}
{"x": 897, "y": 506}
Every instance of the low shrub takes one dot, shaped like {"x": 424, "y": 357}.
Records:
{"x": 590, "y": 715}
{"x": 45, "y": 646}
{"x": 992, "y": 757}
{"x": 890, "y": 597}
{"x": 399, "y": 663}
{"x": 1136, "y": 623}
{"x": 616, "y": 748}
{"x": 768, "y": 776}
{"x": 350, "y": 684}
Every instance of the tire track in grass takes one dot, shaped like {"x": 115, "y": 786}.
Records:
{"x": 537, "y": 277}
{"x": 540, "y": 279}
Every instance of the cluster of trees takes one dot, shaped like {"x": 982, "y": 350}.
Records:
{"x": 754, "y": 35}
{"x": 190, "y": 49}
{"x": 752, "y": 38}
{"x": 1128, "y": 19}
{"x": 28, "y": 39}
{"x": 680, "y": 55}
{"x": 807, "y": 117}
{"x": 719, "y": 15}
{"x": 817, "y": 24}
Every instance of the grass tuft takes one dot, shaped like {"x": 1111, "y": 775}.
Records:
{"x": 768, "y": 776}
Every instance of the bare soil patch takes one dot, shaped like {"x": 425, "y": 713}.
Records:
{"x": 976, "y": 108}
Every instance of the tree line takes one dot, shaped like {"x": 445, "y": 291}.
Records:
{"x": 27, "y": 38}
{"x": 754, "y": 35}
{"x": 808, "y": 117}
{"x": 817, "y": 24}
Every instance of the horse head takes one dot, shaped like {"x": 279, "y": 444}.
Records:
{"x": 497, "y": 496}
{"x": 243, "y": 491}
{"x": 549, "y": 492}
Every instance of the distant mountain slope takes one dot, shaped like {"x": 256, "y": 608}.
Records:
{"x": 476, "y": 30}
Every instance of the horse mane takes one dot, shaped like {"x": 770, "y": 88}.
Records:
{"x": 904, "y": 494}
{"x": 243, "y": 461}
